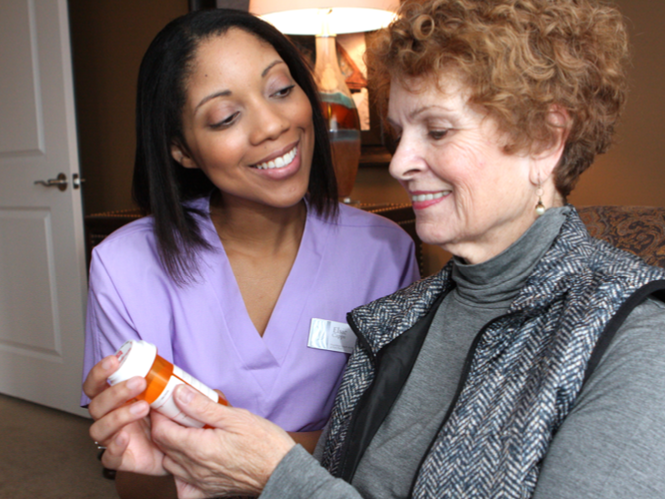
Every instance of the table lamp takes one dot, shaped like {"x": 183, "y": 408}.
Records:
{"x": 325, "y": 19}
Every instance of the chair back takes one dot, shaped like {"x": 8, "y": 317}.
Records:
{"x": 639, "y": 230}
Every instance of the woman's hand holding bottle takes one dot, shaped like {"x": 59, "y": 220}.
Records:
{"x": 121, "y": 425}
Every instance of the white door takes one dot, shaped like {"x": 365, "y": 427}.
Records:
{"x": 42, "y": 258}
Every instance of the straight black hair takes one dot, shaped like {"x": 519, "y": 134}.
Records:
{"x": 161, "y": 185}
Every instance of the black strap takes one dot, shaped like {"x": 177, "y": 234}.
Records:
{"x": 655, "y": 289}
{"x": 394, "y": 363}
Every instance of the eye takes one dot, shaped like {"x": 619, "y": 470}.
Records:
{"x": 226, "y": 122}
{"x": 284, "y": 91}
{"x": 437, "y": 134}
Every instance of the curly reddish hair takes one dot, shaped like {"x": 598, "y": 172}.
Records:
{"x": 519, "y": 59}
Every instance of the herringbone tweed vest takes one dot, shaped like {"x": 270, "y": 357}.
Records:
{"x": 526, "y": 371}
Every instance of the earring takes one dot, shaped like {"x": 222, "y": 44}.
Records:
{"x": 540, "y": 208}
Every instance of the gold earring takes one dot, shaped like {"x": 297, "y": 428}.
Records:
{"x": 540, "y": 208}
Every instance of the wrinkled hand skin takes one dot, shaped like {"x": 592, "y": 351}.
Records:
{"x": 234, "y": 458}
{"x": 124, "y": 428}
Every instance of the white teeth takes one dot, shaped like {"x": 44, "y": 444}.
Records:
{"x": 282, "y": 161}
{"x": 429, "y": 196}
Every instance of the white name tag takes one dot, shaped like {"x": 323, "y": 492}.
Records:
{"x": 331, "y": 336}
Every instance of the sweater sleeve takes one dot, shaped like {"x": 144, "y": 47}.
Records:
{"x": 611, "y": 443}
{"x": 299, "y": 475}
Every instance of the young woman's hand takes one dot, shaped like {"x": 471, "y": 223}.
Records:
{"x": 122, "y": 427}
{"x": 235, "y": 458}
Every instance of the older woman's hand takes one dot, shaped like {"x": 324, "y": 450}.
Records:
{"x": 124, "y": 428}
{"x": 235, "y": 458}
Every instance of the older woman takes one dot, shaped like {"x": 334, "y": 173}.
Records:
{"x": 533, "y": 363}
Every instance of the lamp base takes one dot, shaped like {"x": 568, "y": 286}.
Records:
{"x": 345, "y": 145}
{"x": 344, "y": 133}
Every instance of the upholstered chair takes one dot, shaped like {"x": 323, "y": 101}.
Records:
{"x": 639, "y": 230}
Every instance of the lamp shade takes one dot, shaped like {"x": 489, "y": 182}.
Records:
{"x": 303, "y": 17}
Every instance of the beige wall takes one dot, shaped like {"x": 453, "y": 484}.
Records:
{"x": 110, "y": 36}
{"x": 633, "y": 171}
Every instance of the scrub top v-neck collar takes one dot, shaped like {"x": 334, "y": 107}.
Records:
{"x": 270, "y": 349}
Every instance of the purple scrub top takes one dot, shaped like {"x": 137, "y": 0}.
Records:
{"x": 204, "y": 328}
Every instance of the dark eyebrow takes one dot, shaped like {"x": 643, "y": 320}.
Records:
{"x": 270, "y": 66}
{"x": 225, "y": 93}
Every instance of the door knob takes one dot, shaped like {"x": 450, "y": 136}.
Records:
{"x": 60, "y": 182}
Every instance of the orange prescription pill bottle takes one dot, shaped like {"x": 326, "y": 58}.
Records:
{"x": 138, "y": 357}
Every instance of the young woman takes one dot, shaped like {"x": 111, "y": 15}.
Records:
{"x": 246, "y": 247}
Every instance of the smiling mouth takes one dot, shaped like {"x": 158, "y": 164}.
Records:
{"x": 429, "y": 196}
{"x": 279, "y": 162}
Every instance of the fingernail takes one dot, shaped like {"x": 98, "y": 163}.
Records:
{"x": 106, "y": 364}
{"x": 137, "y": 408}
{"x": 134, "y": 383}
{"x": 184, "y": 394}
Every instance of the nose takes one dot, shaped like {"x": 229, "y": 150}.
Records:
{"x": 269, "y": 123}
{"x": 406, "y": 161}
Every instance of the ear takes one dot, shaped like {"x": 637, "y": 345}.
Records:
{"x": 548, "y": 156}
{"x": 181, "y": 155}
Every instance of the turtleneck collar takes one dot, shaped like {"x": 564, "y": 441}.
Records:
{"x": 497, "y": 281}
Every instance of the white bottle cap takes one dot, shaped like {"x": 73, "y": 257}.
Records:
{"x": 136, "y": 358}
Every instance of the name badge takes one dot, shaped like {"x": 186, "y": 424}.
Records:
{"x": 331, "y": 336}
